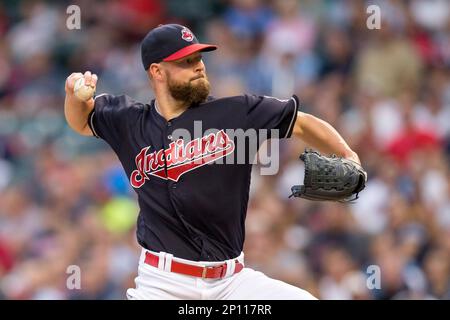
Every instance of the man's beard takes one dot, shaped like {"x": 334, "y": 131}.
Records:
{"x": 190, "y": 92}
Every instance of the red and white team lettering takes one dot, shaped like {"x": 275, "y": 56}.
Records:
{"x": 180, "y": 157}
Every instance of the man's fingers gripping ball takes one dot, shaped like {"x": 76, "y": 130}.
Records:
{"x": 84, "y": 87}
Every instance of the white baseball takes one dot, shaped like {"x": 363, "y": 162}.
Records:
{"x": 82, "y": 91}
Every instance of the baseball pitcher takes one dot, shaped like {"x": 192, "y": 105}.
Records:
{"x": 193, "y": 202}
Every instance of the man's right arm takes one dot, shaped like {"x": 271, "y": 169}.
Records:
{"x": 77, "y": 111}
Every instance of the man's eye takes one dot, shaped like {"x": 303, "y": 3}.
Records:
{"x": 193, "y": 60}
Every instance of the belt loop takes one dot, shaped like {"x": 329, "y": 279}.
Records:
{"x": 241, "y": 258}
{"x": 161, "y": 260}
{"x": 168, "y": 262}
{"x": 231, "y": 265}
{"x": 143, "y": 256}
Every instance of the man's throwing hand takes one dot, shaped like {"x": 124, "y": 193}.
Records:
{"x": 82, "y": 86}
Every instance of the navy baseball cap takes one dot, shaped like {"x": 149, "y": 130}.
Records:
{"x": 170, "y": 42}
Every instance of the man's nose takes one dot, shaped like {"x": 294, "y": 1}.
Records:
{"x": 200, "y": 67}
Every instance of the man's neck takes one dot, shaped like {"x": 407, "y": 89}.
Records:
{"x": 168, "y": 107}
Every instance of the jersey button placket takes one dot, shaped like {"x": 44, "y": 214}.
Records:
{"x": 169, "y": 137}
{"x": 168, "y": 131}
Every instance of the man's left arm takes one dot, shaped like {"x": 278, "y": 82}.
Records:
{"x": 320, "y": 135}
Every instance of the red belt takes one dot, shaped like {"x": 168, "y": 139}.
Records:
{"x": 213, "y": 272}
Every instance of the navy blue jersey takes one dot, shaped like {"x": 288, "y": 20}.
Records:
{"x": 191, "y": 204}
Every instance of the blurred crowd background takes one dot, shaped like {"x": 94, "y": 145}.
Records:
{"x": 65, "y": 201}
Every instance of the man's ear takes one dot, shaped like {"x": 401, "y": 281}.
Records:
{"x": 155, "y": 71}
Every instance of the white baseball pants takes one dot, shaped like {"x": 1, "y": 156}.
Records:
{"x": 159, "y": 284}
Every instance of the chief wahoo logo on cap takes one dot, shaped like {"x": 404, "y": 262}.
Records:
{"x": 187, "y": 35}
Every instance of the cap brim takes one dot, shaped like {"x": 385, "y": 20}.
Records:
{"x": 190, "y": 50}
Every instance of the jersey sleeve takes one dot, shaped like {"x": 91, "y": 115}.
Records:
{"x": 264, "y": 112}
{"x": 112, "y": 117}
